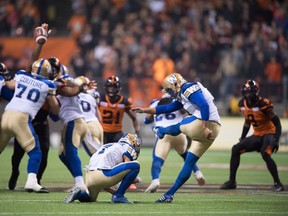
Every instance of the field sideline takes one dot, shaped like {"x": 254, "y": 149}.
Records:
{"x": 253, "y": 196}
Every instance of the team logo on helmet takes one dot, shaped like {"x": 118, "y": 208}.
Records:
{"x": 172, "y": 83}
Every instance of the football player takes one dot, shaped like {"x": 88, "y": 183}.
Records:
{"x": 112, "y": 107}
{"x": 202, "y": 125}
{"x": 31, "y": 91}
{"x": 163, "y": 146}
{"x": 41, "y": 127}
{"x": 89, "y": 101}
{"x": 74, "y": 130}
{"x": 111, "y": 164}
{"x": 267, "y": 128}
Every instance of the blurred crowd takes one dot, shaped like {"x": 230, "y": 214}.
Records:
{"x": 220, "y": 42}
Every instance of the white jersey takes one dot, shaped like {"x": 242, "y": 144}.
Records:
{"x": 89, "y": 105}
{"x": 193, "y": 109}
{"x": 30, "y": 93}
{"x": 70, "y": 108}
{"x": 166, "y": 119}
{"x": 110, "y": 155}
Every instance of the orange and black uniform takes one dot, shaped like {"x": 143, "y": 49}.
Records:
{"x": 262, "y": 137}
{"x": 112, "y": 113}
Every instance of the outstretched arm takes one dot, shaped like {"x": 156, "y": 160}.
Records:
{"x": 41, "y": 34}
{"x": 147, "y": 110}
{"x": 136, "y": 124}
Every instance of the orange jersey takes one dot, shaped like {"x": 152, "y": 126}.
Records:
{"x": 113, "y": 113}
{"x": 257, "y": 116}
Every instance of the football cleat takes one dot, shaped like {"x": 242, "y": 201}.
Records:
{"x": 229, "y": 185}
{"x": 200, "y": 178}
{"x": 122, "y": 199}
{"x": 37, "y": 189}
{"x": 13, "y": 180}
{"x": 153, "y": 187}
{"x": 165, "y": 199}
{"x": 155, "y": 129}
{"x": 73, "y": 195}
{"x": 277, "y": 187}
{"x": 43, "y": 190}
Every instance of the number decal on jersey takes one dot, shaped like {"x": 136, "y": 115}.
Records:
{"x": 33, "y": 94}
{"x": 108, "y": 117}
{"x": 104, "y": 147}
{"x": 252, "y": 120}
{"x": 85, "y": 106}
{"x": 168, "y": 116}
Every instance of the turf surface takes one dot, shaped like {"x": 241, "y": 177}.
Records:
{"x": 252, "y": 197}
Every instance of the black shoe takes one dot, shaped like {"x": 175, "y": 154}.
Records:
{"x": 13, "y": 180}
{"x": 228, "y": 185}
{"x": 278, "y": 187}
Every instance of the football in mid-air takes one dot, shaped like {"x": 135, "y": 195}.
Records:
{"x": 40, "y": 35}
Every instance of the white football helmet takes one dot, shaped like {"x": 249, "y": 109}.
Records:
{"x": 42, "y": 68}
{"x": 133, "y": 140}
{"x": 172, "y": 83}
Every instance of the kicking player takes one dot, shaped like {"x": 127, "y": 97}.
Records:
{"x": 202, "y": 125}
{"x": 163, "y": 146}
{"x": 112, "y": 163}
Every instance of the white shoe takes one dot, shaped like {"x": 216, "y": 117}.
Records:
{"x": 70, "y": 197}
{"x": 200, "y": 178}
{"x": 35, "y": 188}
{"x": 81, "y": 186}
{"x": 153, "y": 187}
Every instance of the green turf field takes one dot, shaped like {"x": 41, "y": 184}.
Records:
{"x": 253, "y": 196}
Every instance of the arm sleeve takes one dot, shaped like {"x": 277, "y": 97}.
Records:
{"x": 277, "y": 123}
{"x": 6, "y": 93}
{"x": 245, "y": 130}
{"x": 167, "y": 108}
{"x": 198, "y": 99}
